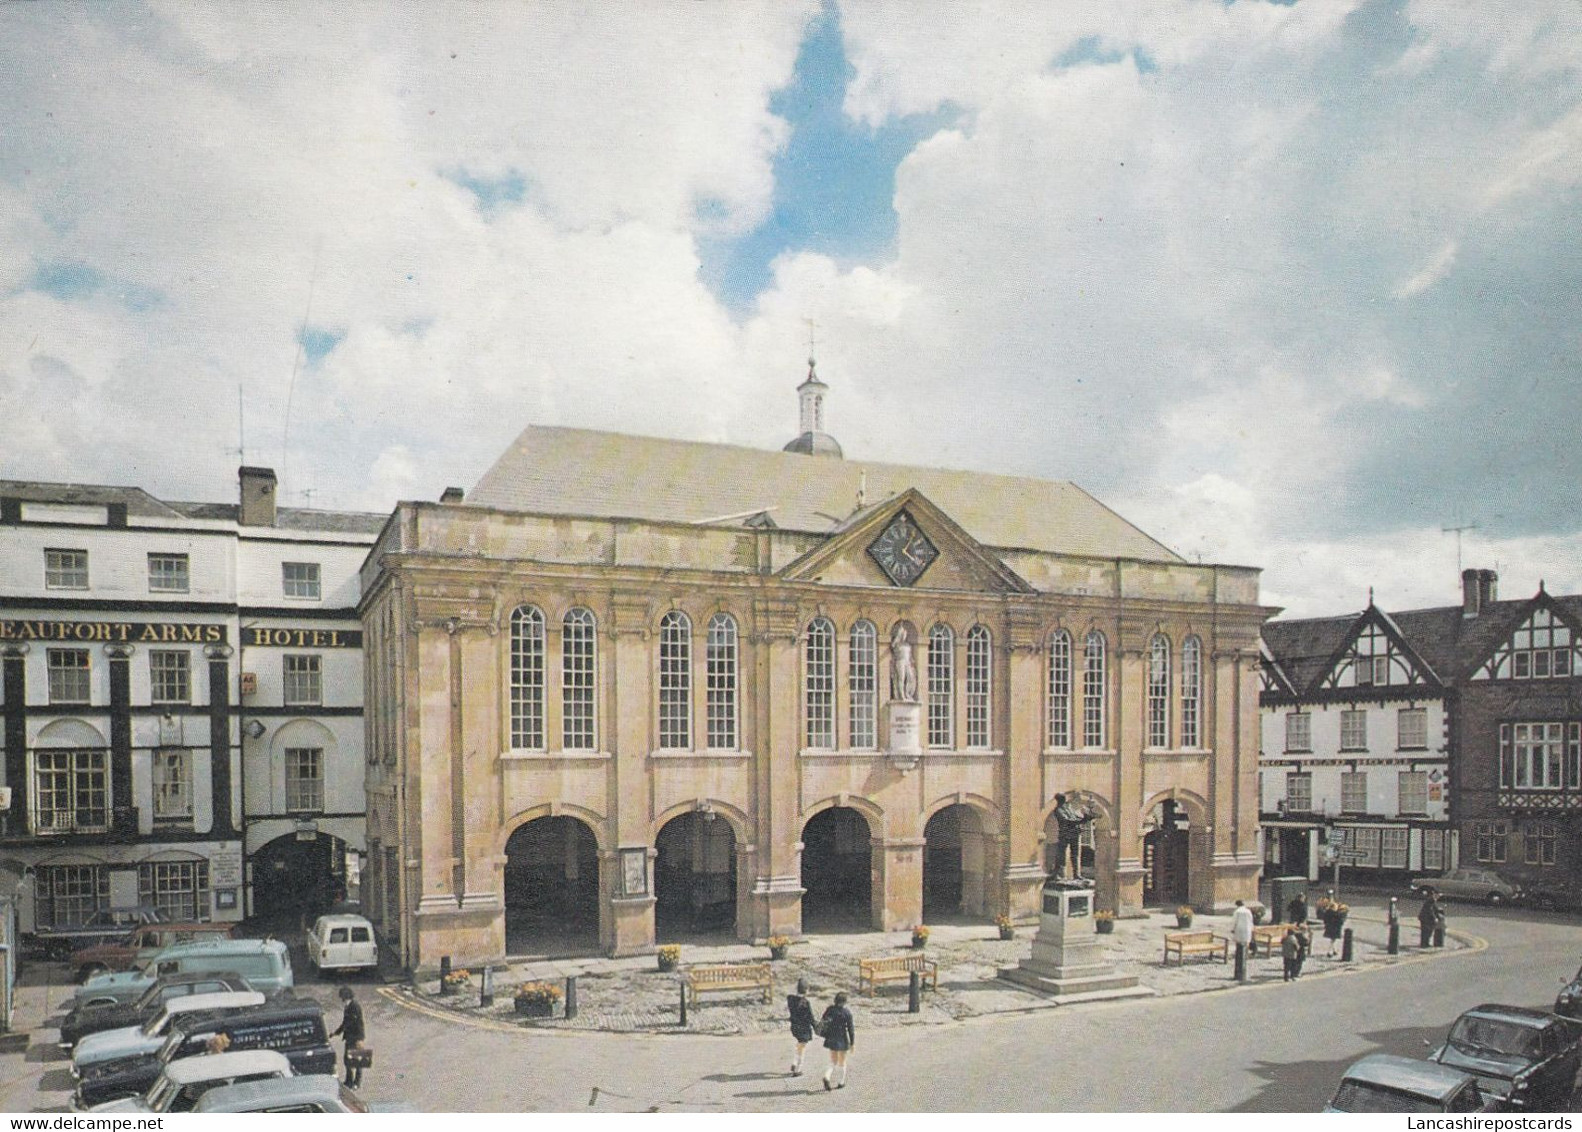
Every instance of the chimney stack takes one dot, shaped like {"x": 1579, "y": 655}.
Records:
{"x": 451, "y": 495}
{"x": 1471, "y": 593}
{"x": 258, "y": 496}
{"x": 1487, "y": 581}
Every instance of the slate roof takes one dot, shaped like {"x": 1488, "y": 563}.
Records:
{"x": 1452, "y": 644}
{"x": 564, "y": 471}
{"x": 140, "y": 504}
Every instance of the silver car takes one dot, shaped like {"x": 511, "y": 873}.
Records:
{"x": 317, "y": 1092}
{"x": 1483, "y": 885}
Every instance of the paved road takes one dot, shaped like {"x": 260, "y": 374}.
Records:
{"x": 1275, "y": 1048}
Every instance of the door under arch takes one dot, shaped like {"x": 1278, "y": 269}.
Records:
{"x": 551, "y": 888}
{"x": 837, "y": 871}
{"x": 295, "y": 878}
{"x": 1166, "y": 855}
{"x": 955, "y": 871}
{"x": 694, "y": 877}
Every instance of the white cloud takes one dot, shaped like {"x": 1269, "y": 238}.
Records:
{"x": 1432, "y": 272}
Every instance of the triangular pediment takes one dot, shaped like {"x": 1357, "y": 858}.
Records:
{"x": 1377, "y": 655}
{"x": 1543, "y": 642}
{"x": 906, "y": 543}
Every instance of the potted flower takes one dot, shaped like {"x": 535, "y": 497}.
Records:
{"x": 669, "y": 955}
{"x": 777, "y": 946}
{"x": 536, "y": 1000}
{"x": 453, "y": 982}
{"x": 920, "y": 936}
{"x": 1007, "y": 928}
{"x": 1258, "y": 913}
{"x": 1104, "y": 921}
{"x": 1184, "y": 916}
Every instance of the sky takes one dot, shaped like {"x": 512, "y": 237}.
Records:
{"x": 1288, "y": 285}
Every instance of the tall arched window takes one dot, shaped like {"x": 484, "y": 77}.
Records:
{"x": 941, "y": 687}
{"x": 1093, "y": 690}
{"x": 1159, "y": 691}
{"x": 980, "y": 652}
{"x": 721, "y": 664}
{"x": 819, "y": 684}
{"x": 527, "y": 679}
{"x": 1192, "y": 693}
{"x": 578, "y": 633}
{"x": 675, "y": 681}
{"x": 1059, "y": 709}
{"x": 862, "y": 675}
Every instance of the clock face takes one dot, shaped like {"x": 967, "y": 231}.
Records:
{"x": 902, "y": 551}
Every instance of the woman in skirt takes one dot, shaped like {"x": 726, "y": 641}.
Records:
{"x": 801, "y": 1011}
{"x": 840, "y": 1034}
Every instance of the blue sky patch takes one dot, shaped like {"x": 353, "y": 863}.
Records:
{"x": 834, "y": 180}
{"x": 1090, "y": 50}
{"x": 71, "y": 281}
{"x": 317, "y": 341}
{"x": 492, "y": 193}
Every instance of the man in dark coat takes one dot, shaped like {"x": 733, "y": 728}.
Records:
{"x": 1428, "y": 916}
{"x": 353, "y": 1032}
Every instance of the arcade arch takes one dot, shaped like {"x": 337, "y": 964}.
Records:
{"x": 837, "y": 871}
{"x": 551, "y": 880}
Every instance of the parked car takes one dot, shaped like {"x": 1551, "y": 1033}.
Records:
{"x": 142, "y": 944}
{"x": 103, "y": 926}
{"x": 1383, "y": 1082}
{"x": 181, "y": 1083}
{"x": 112, "y": 1045}
{"x": 292, "y": 1027}
{"x": 342, "y": 942}
{"x": 1528, "y": 1058}
{"x": 85, "y": 1020}
{"x": 290, "y": 1094}
{"x": 265, "y": 963}
{"x": 1483, "y": 885}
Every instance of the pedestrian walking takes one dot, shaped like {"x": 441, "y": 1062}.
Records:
{"x": 353, "y": 1033}
{"x": 840, "y": 1034}
{"x": 1304, "y": 944}
{"x": 1333, "y": 913}
{"x": 1291, "y": 953}
{"x": 1241, "y": 932}
{"x": 801, "y": 1011}
{"x": 1296, "y": 909}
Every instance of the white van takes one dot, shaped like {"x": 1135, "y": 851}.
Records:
{"x": 342, "y": 942}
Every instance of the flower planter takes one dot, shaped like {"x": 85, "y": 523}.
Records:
{"x": 666, "y": 964}
{"x": 919, "y": 942}
{"x": 777, "y": 953}
{"x": 1007, "y": 933}
{"x": 535, "y": 1007}
{"x": 1183, "y": 921}
{"x": 1104, "y": 927}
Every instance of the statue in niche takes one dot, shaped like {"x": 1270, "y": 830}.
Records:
{"x": 903, "y": 673}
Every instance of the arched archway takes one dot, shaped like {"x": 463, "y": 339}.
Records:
{"x": 295, "y": 877}
{"x": 837, "y": 871}
{"x": 1167, "y": 855}
{"x": 955, "y": 864}
{"x": 694, "y": 876}
{"x": 1099, "y": 848}
{"x": 551, "y": 888}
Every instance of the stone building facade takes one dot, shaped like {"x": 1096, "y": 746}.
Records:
{"x": 629, "y": 690}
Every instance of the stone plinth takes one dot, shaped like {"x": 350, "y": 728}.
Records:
{"x": 905, "y": 721}
{"x": 1068, "y": 957}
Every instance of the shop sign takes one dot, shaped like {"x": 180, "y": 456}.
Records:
{"x": 263, "y": 636}
{"x": 114, "y": 632}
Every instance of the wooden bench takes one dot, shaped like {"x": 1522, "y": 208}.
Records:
{"x": 895, "y": 968}
{"x": 1269, "y": 937}
{"x": 1182, "y": 944}
{"x": 728, "y": 977}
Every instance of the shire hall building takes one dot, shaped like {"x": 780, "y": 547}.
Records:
{"x": 630, "y": 690}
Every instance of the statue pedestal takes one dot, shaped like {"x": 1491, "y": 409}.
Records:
{"x": 905, "y": 723}
{"x": 1068, "y": 962}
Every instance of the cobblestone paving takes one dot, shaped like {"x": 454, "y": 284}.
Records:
{"x": 632, "y": 996}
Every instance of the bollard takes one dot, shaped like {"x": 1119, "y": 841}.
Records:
{"x": 1439, "y": 934}
{"x": 1241, "y": 962}
{"x": 1395, "y": 938}
{"x": 571, "y": 996}
{"x": 444, "y": 965}
{"x": 486, "y": 988}
{"x": 683, "y": 987}
{"x": 1345, "y": 946}
{"x": 914, "y": 997}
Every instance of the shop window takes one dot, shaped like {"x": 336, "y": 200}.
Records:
{"x": 179, "y": 889}
{"x": 1365, "y": 843}
{"x": 1434, "y": 848}
{"x": 527, "y": 679}
{"x": 1298, "y": 731}
{"x": 1392, "y": 848}
{"x": 68, "y": 895}
{"x": 862, "y": 675}
{"x": 1412, "y": 729}
{"x": 68, "y": 676}
{"x": 170, "y": 677}
{"x": 66, "y": 569}
{"x": 167, "y": 574}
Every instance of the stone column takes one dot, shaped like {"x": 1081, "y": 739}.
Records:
{"x": 898, "y": 881}
{"x": 1023, "y": 741}
{"x": 774, "y": 695}
{"x": 1128, "y": 705}
{"x": 626, "y": 922}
